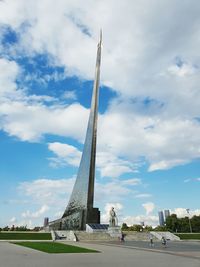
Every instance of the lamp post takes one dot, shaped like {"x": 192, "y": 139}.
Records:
{"x": 188, "y": 211}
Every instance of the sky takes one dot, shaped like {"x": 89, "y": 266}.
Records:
{"x": 148, "y": 149}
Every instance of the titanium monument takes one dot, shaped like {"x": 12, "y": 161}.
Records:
{"x": 80, "y": 210}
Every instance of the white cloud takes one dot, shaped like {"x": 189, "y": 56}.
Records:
{"x": 47, "y": 191}
{"x": 108, "y": 164}
{"x": 147, "y": 219}
{"x": 111, "y": 165}
{"x": 183, "y": 70}
{"x": 13, "y": 220}
{"x": 138, "y": 40}
{"x": 69, "y": 95}
{"x": 112, "y": 191}
{"x": 44, "y": 79}
{"x": 67, "y": 154}
{"x": 51, "y": 195}
{"x": 144, "y": 195}
{"x": 182, "y": 212}
{"x": 151, "y": 136}
{"x": 30, "y": 122}
{"x": 9, "y": 71}
{"x": 191, "y": 180}
{"x": 149, "y": 207}
{"x": 131, "y": 182}
{"x": 136, "y": 63}
{"x": 28, "y": 117}
{"x": 58, "y": 214}
{"x": 36, "y": 214}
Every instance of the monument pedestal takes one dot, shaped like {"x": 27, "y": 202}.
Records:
{"x": 114, "y": 231}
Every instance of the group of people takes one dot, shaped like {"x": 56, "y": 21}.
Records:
{"x": 163, "y": 241}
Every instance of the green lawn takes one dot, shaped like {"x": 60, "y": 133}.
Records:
{"x": 54, "y": 247}
{"x": 24, "y": 236}
{"x": 195, "y": 236}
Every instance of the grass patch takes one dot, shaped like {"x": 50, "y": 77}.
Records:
{"x": 25, "y": 236}
{"x": 195, "y": 236}
{"x": 53, "y": 247}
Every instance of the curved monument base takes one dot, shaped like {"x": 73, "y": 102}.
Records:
{"x": 76, "y": 220}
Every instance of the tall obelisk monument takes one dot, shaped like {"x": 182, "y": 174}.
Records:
{"x": 80, "y": 208}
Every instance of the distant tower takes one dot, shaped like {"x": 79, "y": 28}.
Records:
{"x": 167, "y": 214}
{"x": 46, "y": 221}
{"x": 161, "y": 218}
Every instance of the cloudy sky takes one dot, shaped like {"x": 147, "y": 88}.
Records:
{"x": 149, "y": 119}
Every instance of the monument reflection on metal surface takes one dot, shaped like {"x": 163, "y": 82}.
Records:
{"x": 80, "y": 207}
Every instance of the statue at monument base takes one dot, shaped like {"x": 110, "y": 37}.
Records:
{"x": 113, "y": 217}
{"x": 113, "y": 230}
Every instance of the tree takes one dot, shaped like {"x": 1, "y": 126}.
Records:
{"x": 124, "y": 226}
{"x": 12, "y": 228}
{"x": 160, "y": 228}
{"x": 182, "y": 224}
{"x": 195, "y": 223}
{"x": 172, "y": 223}
{"x": 23, "y": 228}
{"x": 148, "y": 228}
{"x": 37, "y": 228}
{"x": 136, "y": 227}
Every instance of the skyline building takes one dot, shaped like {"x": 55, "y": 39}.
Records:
{"x": 167, "y": 214}
{"x": 46, "y": 221}
{"x": 161, "y": 218}
{"x": 80, "y": 210}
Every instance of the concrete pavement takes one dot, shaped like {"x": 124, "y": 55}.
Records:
{"x": 183, "y": 248}
{"x": 17, "y": 256}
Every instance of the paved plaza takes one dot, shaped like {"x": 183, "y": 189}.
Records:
{"x": 112, "y": 254}
{"x": 189, "y": 249}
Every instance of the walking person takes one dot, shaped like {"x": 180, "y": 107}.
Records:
{"x": 151, "y": 243}
{"x": 122, "y": 237}
{"x": 164, "y": 242}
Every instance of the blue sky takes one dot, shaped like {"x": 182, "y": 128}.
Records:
{"x": 148, "y": 147}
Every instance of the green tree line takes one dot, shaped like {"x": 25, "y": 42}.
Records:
{"x": 182, "y": 225}
{"x": 172, "y": 224}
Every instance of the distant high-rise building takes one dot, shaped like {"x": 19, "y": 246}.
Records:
{"x": 46, "y": 221}
{"x": 161, "y": 218}
{"x": 167, "y": 214}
